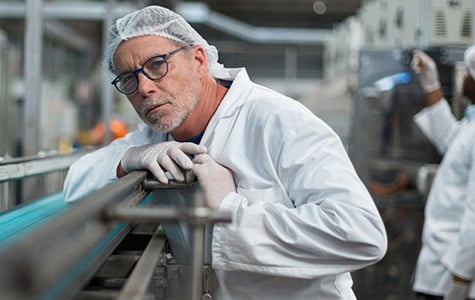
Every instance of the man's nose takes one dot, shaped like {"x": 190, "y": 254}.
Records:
{"x": 144, "y": 84}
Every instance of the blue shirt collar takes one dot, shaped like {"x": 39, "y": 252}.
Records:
{"x": 196, "y": 139}
{"x": 470, "y": 112}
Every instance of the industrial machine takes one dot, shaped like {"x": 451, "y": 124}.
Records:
{"x": 389, "y": 151}
{"x": 109, "y": 245}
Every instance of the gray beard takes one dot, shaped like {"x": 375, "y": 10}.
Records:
{"x": 159, "y": 125}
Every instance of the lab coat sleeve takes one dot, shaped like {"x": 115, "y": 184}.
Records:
{"x": 438, "y": 124}
{"x": 460, "y": 256}
{"x": 97, "y": 169}
{"x": 334, "y": 226}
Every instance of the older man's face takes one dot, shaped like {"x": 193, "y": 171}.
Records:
{"x": 165, "y": 103}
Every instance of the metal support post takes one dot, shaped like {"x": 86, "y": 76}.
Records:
{"x": 197, "y": 248}
{"x": 32, "y": 75}
{"x": 6, "y": 195}
{"x": 106, "y": 87}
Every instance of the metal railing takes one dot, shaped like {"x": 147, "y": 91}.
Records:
{"x": 57, "y": 259}
{"x": 16, "y": 169}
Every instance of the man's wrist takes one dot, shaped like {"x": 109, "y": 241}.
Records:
{"x": 120, "y": 171}
{"x": 458, "y": 279}
{"x": 434, "y": 96}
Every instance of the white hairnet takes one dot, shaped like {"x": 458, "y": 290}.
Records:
{"x": 159, "y": 21}
{"x": 469, "y": 58}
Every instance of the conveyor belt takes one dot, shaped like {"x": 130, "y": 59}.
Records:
{"x": 108, "y": 245}
{"x": 20, "y": 220}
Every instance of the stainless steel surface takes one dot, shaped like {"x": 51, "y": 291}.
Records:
{"x": 167, "y": 214}
{"x": 137, "y": 286}
{"x": 62, "y": 255}
{"x": 36, "y": 165}
{"x": 49, "y": 261}
{"x": 32, "y": 70}
{"x": 46, "y": 171}
{"x": 5, "y": 204}
{"x": 197, "y": 249}
{"x": 106, "y": 87}
{"x": 186, "y": 207}
{"x": 152, "y": 184}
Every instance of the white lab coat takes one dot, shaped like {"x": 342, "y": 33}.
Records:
{"x": 449, "y": 227}
{"x": 302, "y": 219}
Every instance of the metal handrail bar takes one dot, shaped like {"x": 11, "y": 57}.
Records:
{"x": 17, "y": 168}
{"x": 166, "y": 214}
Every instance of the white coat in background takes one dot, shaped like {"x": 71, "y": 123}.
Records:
{"x": 449, "y": 227}
{"x": 302, "y": 219}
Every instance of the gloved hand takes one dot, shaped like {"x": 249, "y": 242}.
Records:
{"x": 215, "y": 180}
{"x": 426, "y": 68}
{"x": 162, "y": 157}
{"x": 457, "y": 291}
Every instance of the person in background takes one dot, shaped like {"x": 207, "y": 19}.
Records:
{"x": 302, "y": 218}
{"x": 446, "y": 263}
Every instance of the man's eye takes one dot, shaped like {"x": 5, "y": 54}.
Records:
{"x": 126, "y": 78}
{"x": 155, "y": 64}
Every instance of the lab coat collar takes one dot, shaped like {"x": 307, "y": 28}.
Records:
{"x": 231, "y": 103}
{"x": 237, "y": 93}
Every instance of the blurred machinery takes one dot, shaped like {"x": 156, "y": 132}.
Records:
{"x": 409, "y": 23}
{"x": 389, "y": 152}
{"x": 397, "y": 24}
{"x": 372, "y": 51}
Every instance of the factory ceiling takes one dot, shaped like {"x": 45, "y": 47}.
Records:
{"x": 249, "y": 28}
{"x": 287, "y": 13}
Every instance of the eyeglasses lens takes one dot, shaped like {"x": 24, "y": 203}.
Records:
{"x": 126, "y": 82}
{"x": 155, "y": 68}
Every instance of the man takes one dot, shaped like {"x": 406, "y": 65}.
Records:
{"x": 302, "y": 219}
{"x": 446, "y": 263}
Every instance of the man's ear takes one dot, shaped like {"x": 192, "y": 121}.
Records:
{"x": 199, "y": 57}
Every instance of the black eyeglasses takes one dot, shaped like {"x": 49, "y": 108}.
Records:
{"x": 154, "y": 68}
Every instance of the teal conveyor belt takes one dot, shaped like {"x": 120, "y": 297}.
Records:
{"x": 15, "y": 222}
{"x": 23, "y": 218}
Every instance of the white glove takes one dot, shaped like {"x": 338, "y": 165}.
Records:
{"x": 162, "y": 157}
{"x": 457, "y": 291}
{"x": 426, "y": 68}
{"x": 215, "y": 180}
